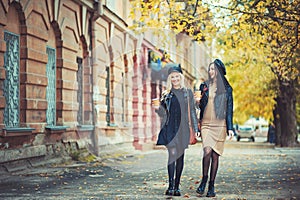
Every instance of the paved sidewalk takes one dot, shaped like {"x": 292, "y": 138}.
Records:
{"x": 245, "y": 172}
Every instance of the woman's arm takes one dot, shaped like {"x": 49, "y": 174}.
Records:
{"x": 162, "y": 111}
{"x": 229, "y": 113}
{"x": 204, "y": 98}
{"x": 194, "y": 118}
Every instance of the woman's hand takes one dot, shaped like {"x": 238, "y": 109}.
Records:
{"x": 230, "y": 134}
{"x": 197, "y": 96}
{"x": 155, "y": 103}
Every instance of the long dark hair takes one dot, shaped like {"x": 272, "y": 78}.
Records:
{"x": 222, "y": 82}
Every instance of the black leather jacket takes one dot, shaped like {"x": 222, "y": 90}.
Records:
{"x": 223, "y": 104}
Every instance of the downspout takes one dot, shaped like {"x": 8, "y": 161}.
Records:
{"x": 94, "y": 16}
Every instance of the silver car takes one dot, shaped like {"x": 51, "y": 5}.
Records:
{"x": 245, "y": 132}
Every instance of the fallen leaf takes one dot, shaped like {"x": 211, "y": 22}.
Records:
{"x": 186, "y": 196}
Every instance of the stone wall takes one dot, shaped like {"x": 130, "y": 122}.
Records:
{"x": 94, "y": 74}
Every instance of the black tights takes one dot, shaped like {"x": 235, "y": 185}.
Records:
{"x": 175, "y": 158}
{"x": 210, "y": 159}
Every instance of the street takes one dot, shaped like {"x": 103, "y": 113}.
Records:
{"x": 244, "y": 173}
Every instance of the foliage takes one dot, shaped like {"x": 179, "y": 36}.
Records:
{"x": 248, "y": 71}
{"x": 191, "y": 17}
{"x": 262, "y": 37}
{"x": 258, "y": 40}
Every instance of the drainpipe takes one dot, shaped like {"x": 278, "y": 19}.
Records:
{"x": 98, "y": 11}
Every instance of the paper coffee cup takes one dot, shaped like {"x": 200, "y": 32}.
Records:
{"x": 198, "y": 95}
{"x": 155, "y": 102}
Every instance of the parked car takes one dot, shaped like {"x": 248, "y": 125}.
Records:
{"x": 245, "y": 131}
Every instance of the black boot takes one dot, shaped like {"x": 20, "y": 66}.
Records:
{"x": 211, "y": 189}
{"x": 177, "y": 190}
{"x": 201, "y": 188}
{"x": 170, "y": 190}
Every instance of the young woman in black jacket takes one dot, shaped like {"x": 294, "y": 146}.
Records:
{"x": 216, "y": 111}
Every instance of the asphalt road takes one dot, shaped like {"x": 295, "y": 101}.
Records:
{"x": 245, "y": 172}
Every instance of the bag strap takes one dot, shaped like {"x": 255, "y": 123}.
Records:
{"x": 189, "y": 110}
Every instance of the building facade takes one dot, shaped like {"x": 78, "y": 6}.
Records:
{"x": 73, "y": 76}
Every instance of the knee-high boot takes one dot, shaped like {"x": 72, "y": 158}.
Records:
{"x": 170, "y": 190}
{"x": 176, "y": 189}
{"x": 211, "y": 189}
{"x": 201, "y": 188}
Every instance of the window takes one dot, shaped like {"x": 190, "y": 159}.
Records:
{"x": 51, "y": 87}
{"x": 112, "y": 6}
{"x": 80, "y": 91}
{"x": 107, "y": 85}
{"x": 11, "y": 82}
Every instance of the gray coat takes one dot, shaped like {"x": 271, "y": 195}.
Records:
{"x": 166, "y": 134}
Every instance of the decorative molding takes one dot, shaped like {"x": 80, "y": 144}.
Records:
{"x": 13, "y": 132}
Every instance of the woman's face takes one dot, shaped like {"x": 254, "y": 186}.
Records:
{"x": 175, "y": 79}
{"x": 212, "y": 72}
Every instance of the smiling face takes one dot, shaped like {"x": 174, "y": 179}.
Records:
{"x": 212, "y": 71}
{"x": 175, "y": 79}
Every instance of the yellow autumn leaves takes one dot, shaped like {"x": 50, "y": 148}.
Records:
{"x": 257, "y": 40}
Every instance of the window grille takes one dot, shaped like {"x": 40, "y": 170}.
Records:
{"x": 107, "y": 84}
{"x": 51, "y": 87}
{"x": 11, "y": 83}
{"x": 80, "y": 91}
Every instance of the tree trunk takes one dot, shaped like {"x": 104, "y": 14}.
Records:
{"x": 277, "y": 123}
{"x": 287, "y": 115}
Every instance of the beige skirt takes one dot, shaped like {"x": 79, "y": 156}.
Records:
{"x": 214, "y": 137}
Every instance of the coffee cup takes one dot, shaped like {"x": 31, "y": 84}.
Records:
{"x": 155, "y": 102}
{"x": 197, "y": 95}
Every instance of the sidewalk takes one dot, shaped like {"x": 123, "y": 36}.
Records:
{"x": 244, "y": 173}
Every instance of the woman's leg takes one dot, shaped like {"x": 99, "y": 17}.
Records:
{"x": 214, "y": 166}
{"x": 179, "y": 168}
{"x": 207, "y": 153}
{"x": 213, "y": 174}
{"x": 171, "y": 170}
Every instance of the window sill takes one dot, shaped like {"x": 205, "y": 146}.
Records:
{"x": 85, "y": 127}
{"x": 14, "y": 132}
{"x": 116, "y": 127}
{"x": 56, "y": 129}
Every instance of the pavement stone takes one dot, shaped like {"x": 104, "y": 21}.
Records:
{"x": 246, "y": 171}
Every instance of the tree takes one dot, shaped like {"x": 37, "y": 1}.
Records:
{"x": 190, "y": 17}
{"x": 259, "y": 42}
{"x": 274, "y": 26}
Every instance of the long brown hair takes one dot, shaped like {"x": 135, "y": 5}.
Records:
{"x": 222, "y": 82}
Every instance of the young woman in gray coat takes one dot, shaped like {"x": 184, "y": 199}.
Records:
{"x": 175, "y": 133}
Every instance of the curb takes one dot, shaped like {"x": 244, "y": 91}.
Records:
{"x": 249, "y": 145}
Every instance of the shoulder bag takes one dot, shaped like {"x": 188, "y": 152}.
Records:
{"x": 193, "y": 139}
